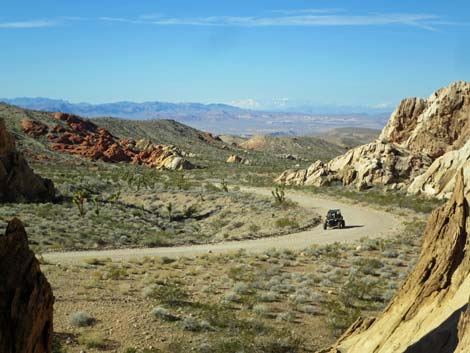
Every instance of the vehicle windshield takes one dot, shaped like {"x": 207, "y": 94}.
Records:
{"x": 333, "y": 214}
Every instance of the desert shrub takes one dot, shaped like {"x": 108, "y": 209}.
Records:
{"x": 254, "y": 228}
{"x": 195, "y": 325}
{"x": 160, "y": 312}
{"x": 390, "y": 253}
{"x": 268, "y": 297}
{"x": 285, "y": 316}
{"x": 338, "y": 316}
{"x": 81, "y": 319}
{"x": 57, "y": 346}
{"x": 286, "y": 222}
{"x": 261, "y": 310}
{"x": 241, "y": 288}
{"x": 93, "y": 340}
{"x": 116, "y": 273}
{"x": 169, "y": 293}
{"x": 231, "y": 297}
{"x": 309, "y": 309}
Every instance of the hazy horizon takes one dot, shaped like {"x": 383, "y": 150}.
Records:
{"x": 265, "y": 55}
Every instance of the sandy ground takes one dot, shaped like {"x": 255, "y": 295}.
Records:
{"x": 360, "y": 222}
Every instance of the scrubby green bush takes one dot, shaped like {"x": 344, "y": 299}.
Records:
{"x": 81, "y": 319}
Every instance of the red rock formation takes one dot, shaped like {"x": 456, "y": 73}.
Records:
{"x": 17, "y": 181}
{"x": 33, "y": 128}
{"x": 85, "y": 139}
{"x": 26, "y": 305}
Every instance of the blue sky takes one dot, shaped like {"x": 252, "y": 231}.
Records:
{"x": 255, "y": 53}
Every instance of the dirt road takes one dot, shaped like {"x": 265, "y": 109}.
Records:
{"x": 360, "y": 222}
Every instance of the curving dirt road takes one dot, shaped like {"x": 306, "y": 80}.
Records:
{"x": 360, "y": 222}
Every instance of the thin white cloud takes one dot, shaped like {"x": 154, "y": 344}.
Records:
{"x": 277, "y": 18}
{"x": 123, "y": 20}
{"x": 29, "y": 24}
{"x": 419, "y": 20}
{"x": 306, "y": 11}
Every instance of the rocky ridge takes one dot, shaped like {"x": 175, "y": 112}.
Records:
{"x": 17, "y": 181}
{"x": 26, "y": 308}
{"x": 430, "y": 312}
{"x": 418, "y": 132}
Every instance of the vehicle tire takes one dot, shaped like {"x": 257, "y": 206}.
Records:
{"x": 340, "y": 225}
{"x": 324, "y": 226}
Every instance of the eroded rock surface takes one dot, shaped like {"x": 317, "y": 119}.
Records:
{"x": 17, "y": 181}
{"x": 236, "y": 159}
{"x": 33, "y": 128}
{"x": 26, "y": 305}
{"x": 84, "y": 138}
{"x": 418, "y": 132}
{"x": 439, "y": 178}
{"x": 430, "y": 311}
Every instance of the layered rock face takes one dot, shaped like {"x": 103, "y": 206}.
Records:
{"x": 26, "y": 305}
{"x": 375, "y": 163}
{"x": 430, "y": 311}
{"x": 418, "y": 132}
{"x": 84, "y": 138}
{"x": 433, "y": 126}
{"x": 439, "y": 178}
{"x": 17, "y": 180}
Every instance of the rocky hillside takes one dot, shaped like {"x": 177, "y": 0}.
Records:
{"x": 349, "y": 137}
{"x": 430, "y": 311}
{"x": 418, "y": 132}
{"x": 17, "y": 181}
{"x": 301, "y": 147}
{"x": 26, "y": 308}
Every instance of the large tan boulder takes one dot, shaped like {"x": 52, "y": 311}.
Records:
{"x": 439, "y": 179}
{"x": 428, "y": 312}
{"x": 418, "y": 132}
{"x": 17, "y": 181}
{"x": 26, "y": 305}
{"x": 236, "y": 159}
{"x": 371, "y": 164}
{"x": 435, "y": 125}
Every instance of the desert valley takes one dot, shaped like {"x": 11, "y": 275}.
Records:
{"x": 157, "y": 237}
{"x": 235, "y": 176}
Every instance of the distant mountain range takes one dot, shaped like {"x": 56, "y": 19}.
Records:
{"x": 216, "y": 118}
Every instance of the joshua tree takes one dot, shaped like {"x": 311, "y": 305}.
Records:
{"x": 279, "y": 194}
{"x": 169, "y": 208}
{"x": 224, "y": 185}
{"x": 79, "y": 199}
{"x": 97, "y": 205}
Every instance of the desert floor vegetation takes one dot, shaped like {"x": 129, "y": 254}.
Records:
{"x": 277, "y": 301}
{"x": 119, "y": 206}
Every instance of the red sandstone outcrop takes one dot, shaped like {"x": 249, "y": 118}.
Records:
{"x": 418, "y": 132}
{"x": 26, "y": 305}
{"x": 17, "y": 181}
{"x": 33, "y": 128}
{"x": 84, "y": 138}
{"x": 430, "y": 311}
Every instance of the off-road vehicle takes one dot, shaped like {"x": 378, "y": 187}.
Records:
{"x": 334, "y": 219}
